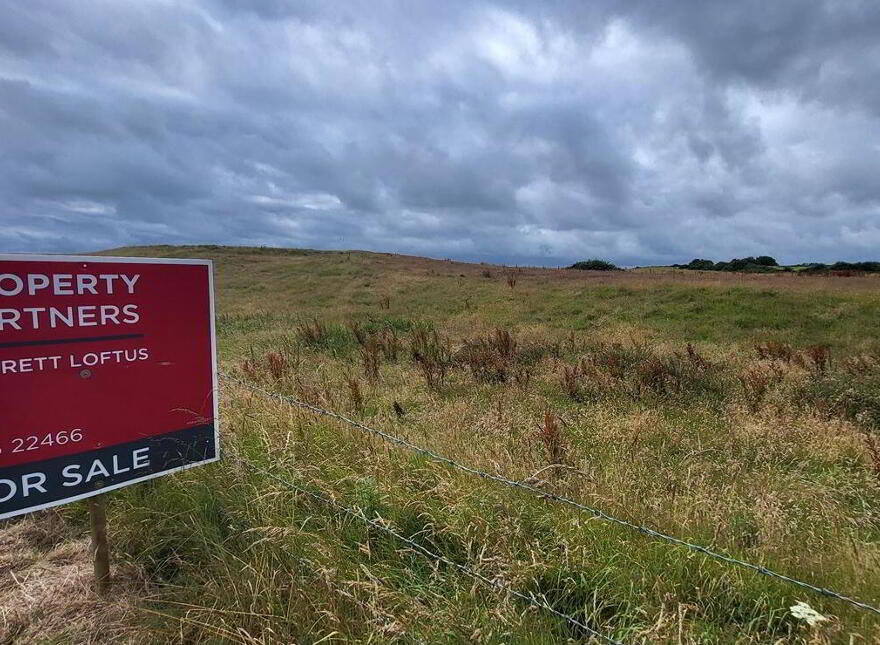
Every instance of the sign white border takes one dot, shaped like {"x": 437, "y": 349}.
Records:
{"x": 18, "y": 257}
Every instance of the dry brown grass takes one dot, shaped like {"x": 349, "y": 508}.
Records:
{"x": 739, "y": 477}
{"x": 701, "y": 436}
{"x": 312, "y": 332}
{"x": 404, "y": 266}
{"x": 550, "y": 434}
{"x": 47, "y": 594}
{"x": 749, "y": 507}
{"x": 371, "y": 358}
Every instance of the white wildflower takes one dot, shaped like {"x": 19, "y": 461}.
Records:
{"x": 806, "y": 613}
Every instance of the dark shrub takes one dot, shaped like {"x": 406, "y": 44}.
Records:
{"x": 594, "y": 265}
{"x": 766, "y": 261}
{"x": 700, "y": 265}
{"x": 870, "y": 267}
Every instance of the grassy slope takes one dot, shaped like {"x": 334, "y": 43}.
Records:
{"x": 765, "y": 459}
{"x": 681, "y": 305}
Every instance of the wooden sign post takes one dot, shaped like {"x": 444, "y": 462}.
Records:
{"x": 100, "y": 548}
{"x": 107, "y": 378}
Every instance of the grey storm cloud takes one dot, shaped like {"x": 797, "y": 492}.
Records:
{"x": 650, "y": 131}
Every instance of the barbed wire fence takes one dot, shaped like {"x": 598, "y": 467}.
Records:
{"x": 595, "y": 512}
{"x": 497, "y": 585}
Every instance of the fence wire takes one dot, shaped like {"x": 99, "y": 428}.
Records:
{"x": 595, "y": 512}
{"x": 494, "y": 584}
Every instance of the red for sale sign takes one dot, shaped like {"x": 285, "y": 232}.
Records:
{"x": 107, "y": 374}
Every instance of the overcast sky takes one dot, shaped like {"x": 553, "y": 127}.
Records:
{"x": 644, "y": 132}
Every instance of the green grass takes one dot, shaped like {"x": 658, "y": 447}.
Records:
{"x": 337, "y": 286}
{"x": 767, "y": 459}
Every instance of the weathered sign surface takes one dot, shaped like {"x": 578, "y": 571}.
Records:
{"x": 107, "y": 374}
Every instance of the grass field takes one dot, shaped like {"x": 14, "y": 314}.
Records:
{"x": 738, "y": 411}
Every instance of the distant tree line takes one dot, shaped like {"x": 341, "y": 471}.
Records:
{"x": 867, "y": 267}
{"x": 750, "y": 264}
{"x": 760, "y": 263}
{"x": 765, "y": 263}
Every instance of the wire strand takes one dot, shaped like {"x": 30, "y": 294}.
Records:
{"x": 495, "y": 584}
{"x": 595, "y": 512}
